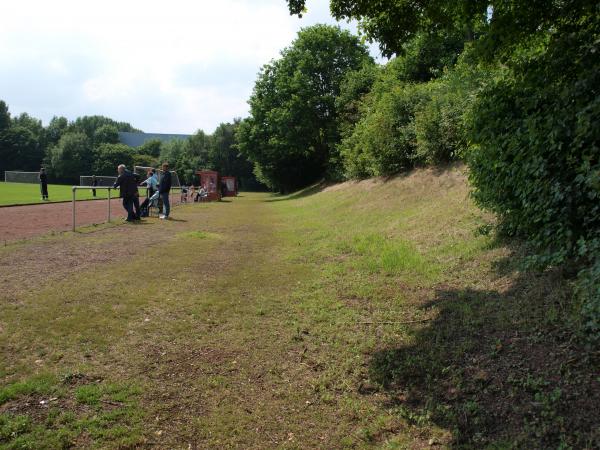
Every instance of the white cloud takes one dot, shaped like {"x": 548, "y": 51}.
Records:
{"x": 163, "y": 66}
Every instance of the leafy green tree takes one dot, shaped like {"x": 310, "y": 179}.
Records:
{"x": 89, "y": 125}
{"x": 31, "y": 123}
{"x": 197, "y": 148}
{"x": 221, "y": 151}
{"x": 19, "y": 150}
{"x": 35, "y": 126}
{"x": 353, "y": 89}
{"x": 532, "y": 126}
{"x": 384, "y": 140}
{"x": 225, "y": 157}
{"x": 499, "y": 25}
{"x": 152, "y": 147}
{"x": 292, "y": 131}
{"x": 393, "y": 23}
{"x": 172, "y": 152}
{"x": 355, "y": 85}
{"x": 4, "y": 116}
{"x": 428, "y": 54}
{"x": 71, "y": 157}
{"x": 108, "y": 156}
{"x": 186, "y": 157}
{"x": 441, "y": 124}
{"x": 143, "y": 160}
{"x": 106, "y": 134}
{"x": 55, "y": 129}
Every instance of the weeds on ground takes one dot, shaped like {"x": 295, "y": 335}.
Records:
{"x": 53, "y": 412}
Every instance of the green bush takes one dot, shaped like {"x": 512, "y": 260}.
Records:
{"x": 588, "y": 296}
{"x": 384, "y": 141}
{"x": 440, "y": 123}
{"x": 535, "y": 159}
{"x": 109, "y": 156}
{"x": 404, "y": 124}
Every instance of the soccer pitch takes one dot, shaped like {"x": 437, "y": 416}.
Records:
{"x": 25, "y": 194}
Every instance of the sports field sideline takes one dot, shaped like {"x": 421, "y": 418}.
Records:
{"x": 26, "y": 193}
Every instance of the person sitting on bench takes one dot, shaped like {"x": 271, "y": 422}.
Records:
{"x": 200, "y": 194}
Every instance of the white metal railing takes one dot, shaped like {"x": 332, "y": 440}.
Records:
{"x": 107, "y": 188}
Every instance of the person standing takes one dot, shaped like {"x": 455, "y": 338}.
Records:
{"x": 135, "y": 180}
{"x": 151, "y": 182}
{"x": 128, "y": 190}
{"x": 94, "y": 184}
{"x": 43, "y": 177}
{"x": 165, "y": 189}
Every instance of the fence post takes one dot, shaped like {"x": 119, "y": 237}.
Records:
{"x": 74, "y": 190}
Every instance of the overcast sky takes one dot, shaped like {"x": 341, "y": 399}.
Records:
{"x": 164, "y": 66}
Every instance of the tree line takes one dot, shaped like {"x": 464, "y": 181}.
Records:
{"x": 90, "y": 145}
{"x": 510, "y": 87}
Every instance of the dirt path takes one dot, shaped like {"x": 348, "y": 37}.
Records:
{"x": 206, "y": 333}
{"x": 21, "y": 222}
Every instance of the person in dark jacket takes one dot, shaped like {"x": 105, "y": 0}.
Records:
{"x": 127, "y": 184}
{"x": 94, "y": 184}
{"x": 43, "y": 177}
{"x": 136, "y": 196}
{"x": 165, "y": 188}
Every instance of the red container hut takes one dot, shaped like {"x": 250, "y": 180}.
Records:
{"x": 211, "y": 182}
{"x": 229, "y": 186}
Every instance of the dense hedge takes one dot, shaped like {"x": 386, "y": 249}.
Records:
{"x": 441, "y": 122}
{"x": 535, "y": 159}
{"x": 384, "y": 140}
{"x": 404, "y": 124}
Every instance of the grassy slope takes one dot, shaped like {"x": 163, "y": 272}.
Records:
{"x": 365, "y": 315}
{"x": 23, "y": 193}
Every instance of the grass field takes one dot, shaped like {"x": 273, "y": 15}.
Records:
{"x": 24, "y": 194}
{"x": 362, "y": 315}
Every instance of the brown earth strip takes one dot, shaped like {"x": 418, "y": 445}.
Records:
{"x": 22, "y": 222}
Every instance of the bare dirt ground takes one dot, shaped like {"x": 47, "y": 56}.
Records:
{"x": 21, "y": 222}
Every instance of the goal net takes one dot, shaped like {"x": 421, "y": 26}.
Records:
{"x": 13, "y": 176}
{"x": 86, "y": 180}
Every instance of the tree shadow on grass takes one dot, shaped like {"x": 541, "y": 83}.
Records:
{"x": 306, "y": 192}
{"x": 498, "y": 368}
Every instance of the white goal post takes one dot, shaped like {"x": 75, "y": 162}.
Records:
{"x": 102, "y": 180}
{"x": 16, "y": 176}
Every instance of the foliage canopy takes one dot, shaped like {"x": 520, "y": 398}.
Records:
{"x": 292, "y": 132}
